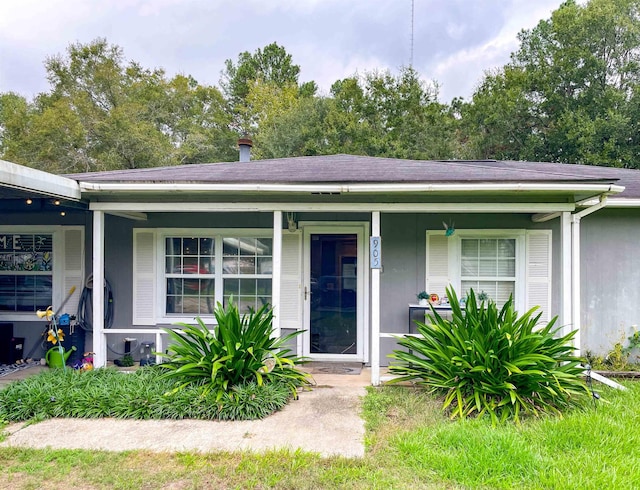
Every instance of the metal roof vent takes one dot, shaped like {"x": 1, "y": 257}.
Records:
{"x": 245, "y": 145}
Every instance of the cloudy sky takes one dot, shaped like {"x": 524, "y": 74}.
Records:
{"x": 455, "y": 41}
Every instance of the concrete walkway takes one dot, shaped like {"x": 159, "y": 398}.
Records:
{"x": 325, "y": 420}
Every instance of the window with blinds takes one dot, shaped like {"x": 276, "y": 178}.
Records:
{"x": 488, "y": 266}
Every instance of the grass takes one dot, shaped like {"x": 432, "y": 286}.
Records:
{"x": 410, "y": 444}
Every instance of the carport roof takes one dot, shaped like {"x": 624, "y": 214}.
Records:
{"x": 17, "y": 182}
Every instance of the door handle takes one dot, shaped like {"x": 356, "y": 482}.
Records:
{"x": 306, "y": 292}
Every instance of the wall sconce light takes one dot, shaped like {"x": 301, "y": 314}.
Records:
{"x": 29, "y": 201}
{"x": 57, "y": 202}
{"x": 62, "y": 213}
{"x": 292, "y": 225}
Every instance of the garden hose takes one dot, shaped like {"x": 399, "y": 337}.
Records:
{"x": 84, "y": 317}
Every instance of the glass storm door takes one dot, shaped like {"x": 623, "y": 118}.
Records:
{"x": 333, "y": 308}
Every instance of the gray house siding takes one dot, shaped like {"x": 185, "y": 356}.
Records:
{"x": 119, "y": 250}
{"x": 610, "y": 262}
{"x": 404, "y": 260}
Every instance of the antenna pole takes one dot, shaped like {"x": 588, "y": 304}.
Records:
{"x": 412, "y": 11}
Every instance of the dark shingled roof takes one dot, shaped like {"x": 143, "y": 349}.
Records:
{"x": 350, "y": 169}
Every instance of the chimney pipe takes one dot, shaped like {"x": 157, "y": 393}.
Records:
{"x": 245, "y": 145}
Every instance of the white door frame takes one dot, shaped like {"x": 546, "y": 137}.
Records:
{"x": 360, "y": 229}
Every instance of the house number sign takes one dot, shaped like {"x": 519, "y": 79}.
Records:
{"x": 375, "y": 252}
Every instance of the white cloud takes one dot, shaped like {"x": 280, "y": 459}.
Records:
{"x": 461, "y": 72}
{"x": 329, "y": 39}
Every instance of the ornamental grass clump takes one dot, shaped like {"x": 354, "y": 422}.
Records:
{"x": 139, "y": 395}
{"x": 491, "y": 361}
{"x": 241, "y": 349}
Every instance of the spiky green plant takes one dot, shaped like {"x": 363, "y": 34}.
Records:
{"x": 491, "y": 361}
{"x": 241, "y": 349}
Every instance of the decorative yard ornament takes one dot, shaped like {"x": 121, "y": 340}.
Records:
{"x": 449, "y": 228}
{"x": 56, "y": 356}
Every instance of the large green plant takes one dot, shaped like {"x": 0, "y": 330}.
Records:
{"x": 492, "y": 361}
{"x": 241, "y": 349}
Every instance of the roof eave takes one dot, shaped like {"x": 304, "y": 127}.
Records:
{"x": 477, "y": 187}
{"x": 38, "y": 182}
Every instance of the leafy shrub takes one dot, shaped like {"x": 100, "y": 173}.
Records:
{"x": 240, "y": 350}
{"x": 490, "y": 361}
{"x": 137, "y": 395}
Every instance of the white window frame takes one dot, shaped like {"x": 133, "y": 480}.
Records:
{"x": 57, "y": 272}
{"x": 455, "y": 258}
{"x": 218, "y": 234}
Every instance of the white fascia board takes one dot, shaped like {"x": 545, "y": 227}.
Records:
{"x": 622, "y": 202}
{"x": 33, "y": 180}
{"x": 195, "y": 207}
{"x": 487, "y": 187}
{"x": 96, "y": 187}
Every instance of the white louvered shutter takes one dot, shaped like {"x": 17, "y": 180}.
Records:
{"x": 73, "y": 267}
{"x": 144, "y": 277}
{"x": 291, "y": 281}
{"x": 438, "y": 276}
{"x": 538, "y": 272}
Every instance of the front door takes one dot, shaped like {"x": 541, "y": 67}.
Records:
{"x": 333, "y": 293}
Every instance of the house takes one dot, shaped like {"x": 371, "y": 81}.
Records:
{"x": 339, "y": 245}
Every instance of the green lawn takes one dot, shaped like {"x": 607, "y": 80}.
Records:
{"x": 411, "y": 444}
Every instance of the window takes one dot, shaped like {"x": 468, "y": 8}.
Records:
{"x": 190, "y": 275}
{"x": 488, "y": 265}
{"x": 247, "y": 269}
{"x": 199, "y": 271}
{"x": 499, "y": 262}
{"x": 26, "y": 271}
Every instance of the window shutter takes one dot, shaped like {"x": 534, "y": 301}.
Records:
{"x": 538, "y": 271}
{"x": 144, "y": 277}
{"x": 438, "y": 278}
{"x": 291, "y": 281}
{"x": 73, "y": 267}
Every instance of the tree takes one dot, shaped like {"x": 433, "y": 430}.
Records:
{"x": 105, "y": 113}
{"x": 272, "y": 64}
{"x": 380, "y": 114}
{"x": 567, "y": 94}
{"x": 377, "y": 114}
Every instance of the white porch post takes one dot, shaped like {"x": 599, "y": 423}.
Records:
{"x": 566, "y": 312}
{"x": 375, "y": 309}
{"x": 99, "y": 340}
{"x": 575, "y": 280}
{"x": 276, "y": 270}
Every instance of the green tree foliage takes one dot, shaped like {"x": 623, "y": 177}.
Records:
{"x": 105, "y": 113}
{"x": 392, "y": 116}
{"x": 569, "y": 94}
{"x": 271, "y": 64}
{"x": 377, "y": 114}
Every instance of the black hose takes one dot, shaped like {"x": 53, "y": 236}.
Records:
{"x": 84, "y": 317}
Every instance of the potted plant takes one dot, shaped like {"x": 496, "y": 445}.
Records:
{"x": 423, "y": 298}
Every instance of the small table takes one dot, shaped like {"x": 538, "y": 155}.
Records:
{"x": 413, "y": 307}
